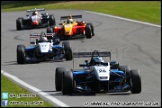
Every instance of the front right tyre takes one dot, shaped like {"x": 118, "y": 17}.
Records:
{"x": 68, "y": 50}
{"x": 19, "y": 24}
{"x": 58, "y": 78}
{"x": 20, "y": 54}
{"x": 67, "y": 84}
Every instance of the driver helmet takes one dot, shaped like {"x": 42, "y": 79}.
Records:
{"x": 56, "y": 41}
{"x": 35, "y": 13}
{"x": 70, "y": 21}
{"x": 43, "y": 39}
{"x": 98, "y": 59}
{"x": 83, "y": 22}
{"x": 70, "y": 17}
{"x": 46, "y": 14}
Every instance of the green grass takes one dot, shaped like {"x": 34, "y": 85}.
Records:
{"x": 148, "y": 11}
{"x": 11, "y": 88}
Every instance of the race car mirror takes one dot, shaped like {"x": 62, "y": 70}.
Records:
{"x": 105, "y": 63}
{"x": 82, "y": 65}
{"x": 32, "y": 42}
{"x": 86, "y": 61}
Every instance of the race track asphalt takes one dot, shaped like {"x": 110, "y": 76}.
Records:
{"x": 134, "y": 44}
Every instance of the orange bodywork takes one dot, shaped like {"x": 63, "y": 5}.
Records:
{"x": 70, "y": 29}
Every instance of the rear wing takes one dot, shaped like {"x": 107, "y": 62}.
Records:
{"x": 38, "y": 35}
{"x": 90, "y": 54}
{"x": 73, "y": 17}
{"x": 42, "y": 9}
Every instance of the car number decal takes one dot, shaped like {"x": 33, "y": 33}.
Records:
{"x": 102, "y": 70}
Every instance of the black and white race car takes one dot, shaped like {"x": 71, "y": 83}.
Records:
{"x": 97, "y": 76}
{"x": 35, "y": 20}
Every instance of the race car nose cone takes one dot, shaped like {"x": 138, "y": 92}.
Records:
{"x": 35, "y": 23}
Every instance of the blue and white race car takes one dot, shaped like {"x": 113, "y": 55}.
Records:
{"x": 45, "y": 47}
{"x": 97, "y": 76}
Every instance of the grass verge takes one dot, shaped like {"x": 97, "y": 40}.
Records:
{"x": 17, "y": 96}
{"x": 148, "y": 11}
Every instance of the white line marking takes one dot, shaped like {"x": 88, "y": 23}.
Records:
{"x": 38, "y": 91}
{"x": 124, "y": 19}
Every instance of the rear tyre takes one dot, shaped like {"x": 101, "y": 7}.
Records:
{"x": 67, "y": 85}
{"x": 20, "y": 54}
{"x": 19, "y": 24}
{"x": 50, "y": 30}
{"x": 68, "y": 50}
{"x": 52, "y": 20}
{"x": 135, "y": 81}
{"x": 58, "y": 78}
{"x": 42, "y": 34}
{"x": 88, "y": 31}
{"x": 126, "y": 69}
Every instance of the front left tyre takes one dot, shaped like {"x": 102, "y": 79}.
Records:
{"x": 88, "y": 31}
{"x": 92, "y": 28}
{"x": 135, "y": 81}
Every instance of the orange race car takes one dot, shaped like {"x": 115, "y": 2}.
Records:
{"x": 71, "y": 29}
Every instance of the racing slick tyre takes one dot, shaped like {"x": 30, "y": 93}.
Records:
{"x": 36, "y": 41}
{"x": 92, "y": 28}
{"x": 58, "y": 77}
{"x": 126, "y": 69}
{"x": 135, "y": 81}
{"x": 88, "y": 31}
{"x": 42, "y": 34}
{"x": 68, "y": 50}
{"x": 19, "y": 24}
{"x": 67, "y": 84}
{"x": 20, "y": 54}
{"x": 52, "y": 20}
{"x": 50, "y": 30}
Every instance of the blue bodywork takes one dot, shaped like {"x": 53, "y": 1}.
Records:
{"x": 56, "y": 49}
{"x": 57, "y": 46}
{"x": 81, "y": 73}
{"x": 86, "y": 81}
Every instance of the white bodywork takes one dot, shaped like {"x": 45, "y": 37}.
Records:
{"x": 102, "y": 72}
{"x": 45, "y": 47}
{"x": 34, "y": 18}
